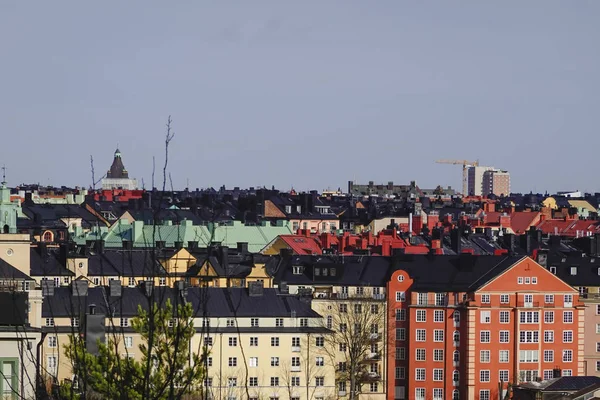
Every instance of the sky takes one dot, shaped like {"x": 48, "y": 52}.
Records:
{"x": 303, "y": 94}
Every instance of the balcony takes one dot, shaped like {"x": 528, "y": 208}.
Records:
{"x": 295, "y": 349}
{"x": 528, "y": 304}
{"x": 374, "y": 336}
{"x": 378, "y": 296}
{"x": 341, "y": 393}
{"x": 372, "y": 376}
{"x": 373, "y": 356}
{"x": 295, "y": 368}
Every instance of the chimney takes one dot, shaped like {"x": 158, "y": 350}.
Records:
{"x": 79, "y": 288}
{"x": 224, "y": 253}
{"x": 47, "y": 287}
{"x": 255, "y": 289}
{"x": 192, "y": 244}
{"x": 100, "y": 246}
{"x": 325, "y": 240}
{"x": 148, "y": 286}
{"x": 115, "y": 288}
{"x": 455, "y": 240}
{"x": 242, "y": 247}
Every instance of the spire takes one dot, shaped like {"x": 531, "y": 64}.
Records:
{"x": 117, "y": 169}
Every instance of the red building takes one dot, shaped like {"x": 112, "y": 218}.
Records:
{"x": 461, "y": 326}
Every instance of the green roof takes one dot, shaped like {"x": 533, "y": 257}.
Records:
{"x": 228, "y": 234}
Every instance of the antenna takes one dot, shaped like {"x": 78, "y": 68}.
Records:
{"x": 3, "y": 173}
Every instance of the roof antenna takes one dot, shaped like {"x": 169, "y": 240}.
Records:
{"x": 4, "y": 174}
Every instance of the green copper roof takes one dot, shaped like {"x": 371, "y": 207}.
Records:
{"x": 257, "y": 236}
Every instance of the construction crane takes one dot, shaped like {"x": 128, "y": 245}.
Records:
{"x": 465, "y": 164}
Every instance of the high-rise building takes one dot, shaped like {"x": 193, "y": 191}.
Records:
{"x": 117, "y": 176}
{"x": 496, "y": 182}
{"x": 475, "y": 180}
{"x": 483, "y": 181}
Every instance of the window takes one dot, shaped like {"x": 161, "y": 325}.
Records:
{"x": 319, "y": 361}
{"x": 162, "y": 281}
{"x": 485, "y": 298}
{"x": 438, "y": 355}
{"x": 420, "y": 355}
{"x": 528, "y": 336}
{"x": 438, "y": 316}
{"x": 75, "y": 322}
{"x": 420, "y": 394}
{"x": 343, "y": 328}
{"x": 232, "y": 361}
{"x": 456, "y": 357}
{"x": 357, "y": 308}
{"x": 567, "y": 372}
{"x": 548, "y": 336}
{"x": 275, "y": 341}
{"x": 254, "y": 322}
{"x": 274, "y": 361}
{"x": 567, "y": 336}
{"x": 231, "y": 382}
{"x": 420, "y": 337}
{"x": 504, "y": 317}
{"x": 209, "y": 362}
{"x": 274, "y": 381}
{"x": 374, "y": 309}
{"x": 208, "y": 382}
{"x": 320, "y": 381}
{"x": 49, "y": 321}
{"x": 421, "y": 316}
{"x": 456, "y": 317}
{"x": 343, "y": 347}
{"x": 400, "y": 314}
{"x": 319, "y": 341}
{"x": 400, "y": 334}
{"x": 484, "y": 375}
{"x": 520, "y": 280}
{"x": 253, "y": 381}
{"x": 440, "y": 299}
{"x": 400, "y": 296}
{"x": 51, "y": 364}
{"x": 456, "y": 338}
{"x": 422, "y": 299}
{"x": 567, "y": 355}
{"x": 208, "y": 341}
{"x": 504, "y": 336}
{"x": 230, "y": 323}
{"x": 420, "y": 374}
{"x": 52, "y": 342}
{"x": 527, "y": 280}
{"x": 295, "y": 381}
{"x": 303, "y": 322}
{"x": 568, "y": 300}
{"x": 253, "y": 362}
{"x": 504, "y": 299}
{"x": 568, "y": 317}
{"x": 548, "y": 356}
{"x": 128, "y": 341}
{"x": 455, "y": 395}
{"x": 373, "y": 387}
{"x": 529, "y": 317}
{"x": 484, "y": 336}
{"x": 503, "y": 356}
{"x": 343, "y": 308}
{"x": 253, "y": 341}
{"x": 438, "y": 335}
{"x": 485, "y": 317}
{"x": 438, "y": 374}
{"x": 534, "y": 280}
{"x": 232, "y": 342}
{"x": 573, "y": 270}
{"x": 548, "y": 317}
{"x": 131, "y": 281}
{"x": 549, "y": 298}
{"x": 528, "y": 356}
{"x": 484, "y": 394}
{"x": 400, "y": 353}
{"x": 484, "y": 356}
{"x": 56, "y": 282}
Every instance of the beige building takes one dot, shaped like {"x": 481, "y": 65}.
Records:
{"x": 496, "y": 182}
{"x": 269, "y": 343}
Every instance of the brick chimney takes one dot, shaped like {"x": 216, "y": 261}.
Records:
{"x": 505, "y": 220}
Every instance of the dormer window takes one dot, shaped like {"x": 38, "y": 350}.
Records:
{"x": 297, "y": 270}
{"x": 332, "y": 271}
{"x": 317, "y": 271}
{"x": 288, "y": 209}
{"x": 573, "y": 270}
{"x": 553, "y": 270}
{"x": 325, "y": 272}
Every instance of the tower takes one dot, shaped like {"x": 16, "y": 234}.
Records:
{"x": 117, "y": 176}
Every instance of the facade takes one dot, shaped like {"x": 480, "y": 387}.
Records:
{"x": 475, "y": 179}
{"x": 269, "y": 342}
{"x": 117, "y": 176}
{"x": 463, "y": 326}
{"x": 496, "y": 182}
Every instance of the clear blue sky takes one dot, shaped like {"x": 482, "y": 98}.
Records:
{"x": 307, "y": 94}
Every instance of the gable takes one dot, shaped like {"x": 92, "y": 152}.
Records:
{"x": 526, "y": 268}
{"x": 258, "y": 271}
{"x": 207, "y": 270}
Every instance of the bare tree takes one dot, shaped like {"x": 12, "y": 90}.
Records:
{"x": 356, "y": 344}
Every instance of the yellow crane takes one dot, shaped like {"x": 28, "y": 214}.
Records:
{"x": 465, "y": 164}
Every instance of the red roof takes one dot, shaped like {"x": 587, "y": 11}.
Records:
{"x": 302, "y": 245}
{"x": 520, "y": 221}
{"x": 572, "y": 228}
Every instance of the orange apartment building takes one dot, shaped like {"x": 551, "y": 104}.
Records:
{"x": 461, "y": 326}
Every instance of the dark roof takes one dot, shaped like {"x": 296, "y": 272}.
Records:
{"x": 587, "y": 268}
{"x": 7, "y": 271}
{"x": 46, "y": 262}
{"x": 117, "y": 169}
{"x": 120, "y": 262}
{"x": 218, "y": 302}
{"x": 572, "y": 383}
{"x": 453, "y": 273}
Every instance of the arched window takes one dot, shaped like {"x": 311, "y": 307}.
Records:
{"x": 456, "y": 336}
{"x": 455, "y": 395}
{"x": 456, "y": 357}
{"x": 455, "y": 376}
{"x": 47, "y": 236}
{"x": 6, "y": 229}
